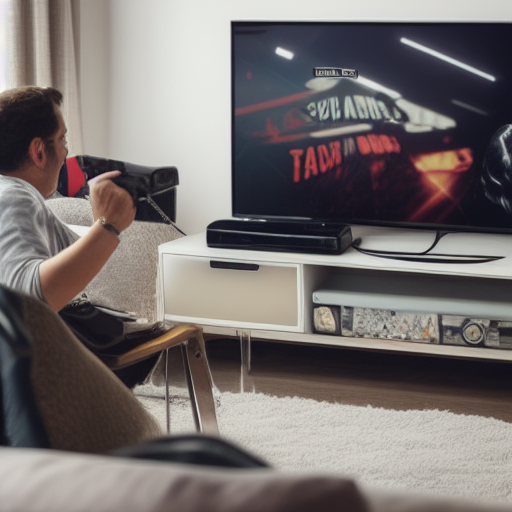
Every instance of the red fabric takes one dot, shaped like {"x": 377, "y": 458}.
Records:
{"x": 76, "y": 177}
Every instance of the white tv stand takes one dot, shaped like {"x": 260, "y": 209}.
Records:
{"x": 268, "y": 295}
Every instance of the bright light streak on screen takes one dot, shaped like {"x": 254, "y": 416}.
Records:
{"x": 378, "y": 87}
{"x": 284, "y": 53}
{"x": 470, "y": 107}
{"x": 446, "y": 58}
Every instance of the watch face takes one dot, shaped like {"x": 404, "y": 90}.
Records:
{"x": 473, "y": 333}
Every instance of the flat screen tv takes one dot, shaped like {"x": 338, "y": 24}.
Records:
{"x": 390, "y": 124}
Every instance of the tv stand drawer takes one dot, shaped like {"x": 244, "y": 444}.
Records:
{"x": 238, "y": 292}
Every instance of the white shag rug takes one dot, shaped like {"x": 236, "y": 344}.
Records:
{"x": 426, "y": 451}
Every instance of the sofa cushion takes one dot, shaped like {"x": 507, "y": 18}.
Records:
{"x": 37, "y": 481}
{"x": 42, "y": 480}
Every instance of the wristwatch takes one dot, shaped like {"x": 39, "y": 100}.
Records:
{"x": 109, "y": 227}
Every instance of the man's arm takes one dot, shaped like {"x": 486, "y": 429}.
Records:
{"x": 67, "y": 274}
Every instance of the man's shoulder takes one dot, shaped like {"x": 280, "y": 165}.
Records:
{"x": 19, "y": 200}
{"x": 14, "y": 190}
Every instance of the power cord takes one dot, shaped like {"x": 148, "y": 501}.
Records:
{"x": 426, "y": 256}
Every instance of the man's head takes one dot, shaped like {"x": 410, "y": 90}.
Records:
{"x": 27, "y": 113}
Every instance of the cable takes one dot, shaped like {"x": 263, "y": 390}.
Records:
{"x": 426, "y": 256}
{"x": 162, "y": 214}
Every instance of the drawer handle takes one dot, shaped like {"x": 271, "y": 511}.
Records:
{"x": 230, "y": 265}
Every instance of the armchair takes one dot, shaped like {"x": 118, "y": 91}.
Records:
{"x": 58, "y": 394}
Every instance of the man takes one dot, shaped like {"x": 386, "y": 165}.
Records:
{"x": 39, "y": 255}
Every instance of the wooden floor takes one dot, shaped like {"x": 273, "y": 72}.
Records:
{"x": 379, "y": 379}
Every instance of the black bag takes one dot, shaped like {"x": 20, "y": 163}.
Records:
{"x": 153, "y": 188}
{"x": 107, "y": 332}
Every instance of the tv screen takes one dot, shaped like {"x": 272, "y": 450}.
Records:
{"x": 393, "y": 124}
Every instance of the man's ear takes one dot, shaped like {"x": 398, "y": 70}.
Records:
{"x": 37, "y": 152}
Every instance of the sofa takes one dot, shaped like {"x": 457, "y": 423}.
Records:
{"x": 37, "y": 480}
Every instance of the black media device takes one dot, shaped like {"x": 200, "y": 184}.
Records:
{"x": 279, "y": 236}
{"x": 373, "y": 123}
{"x": 153, "y": 189}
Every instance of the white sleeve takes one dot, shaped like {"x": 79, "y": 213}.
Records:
{"x": 29, "y": 234}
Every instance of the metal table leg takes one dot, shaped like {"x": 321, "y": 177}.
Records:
{"x": 246, "y": 382}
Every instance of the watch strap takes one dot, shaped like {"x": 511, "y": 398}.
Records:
{"x": 109, "y": 227}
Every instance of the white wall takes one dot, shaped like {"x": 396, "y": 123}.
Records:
{"x": 95, "y": 75}
{"x": 156, "y": 79}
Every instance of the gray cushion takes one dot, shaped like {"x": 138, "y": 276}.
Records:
{"x": 72, "y": 210}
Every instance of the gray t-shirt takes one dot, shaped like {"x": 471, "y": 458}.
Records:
{"x": 29, "y": 234}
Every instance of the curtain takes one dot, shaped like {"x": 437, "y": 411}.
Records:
{"x": 43, "y": 46}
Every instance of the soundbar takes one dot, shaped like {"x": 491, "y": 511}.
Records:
{"x": 279, "y": 236}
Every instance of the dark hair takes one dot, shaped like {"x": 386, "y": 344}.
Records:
{"x": 25, "y": 113}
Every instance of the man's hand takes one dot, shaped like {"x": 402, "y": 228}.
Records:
{"x": 110, "y": 201}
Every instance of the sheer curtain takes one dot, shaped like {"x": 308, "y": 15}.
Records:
{"x": 43, "y": 46}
